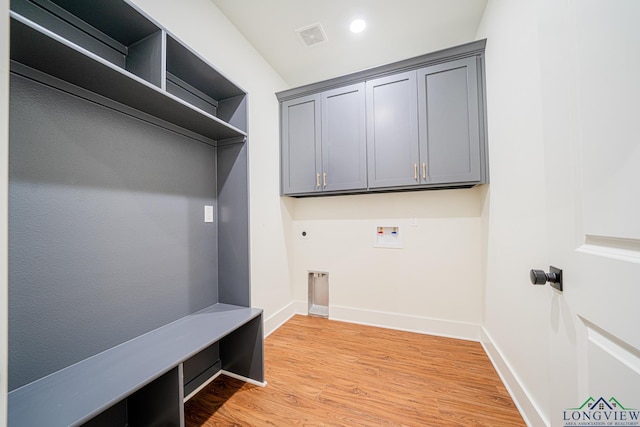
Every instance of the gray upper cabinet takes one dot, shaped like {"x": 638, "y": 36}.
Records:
{"x": 344, "y": 151}
{"x": 424, "y": 119}
{"x": 392, "y": 130}
{"x": 323, "y": 142}
{"x": 301, "y": 155}
{"x": 449, "y": 123}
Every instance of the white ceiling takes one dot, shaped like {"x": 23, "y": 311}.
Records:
{"x": 396, "y": 30}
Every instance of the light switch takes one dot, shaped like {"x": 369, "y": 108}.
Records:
{"x": 208, "y": 213}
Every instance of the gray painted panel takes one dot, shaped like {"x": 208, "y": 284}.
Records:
{"x": 201, "y": 378}
{"x": 242, "y": 352}
{"x": 117, "y": 19}
{"x": 233, "y": 225}
{"x": 181, "y": 90}
{"x": 234, "y": 111}
{"x": 301, "y": 155}
{"x": 190, "y": 67}
{"x": 158, "y": 403}
{"x": 113, "y": 52}
{"x": 106, "y": 232}
{"x": 145, "y": 58}
{"x": 116, "y": 416}
{"x": 344, "y": 149}
{"x": 392, "y": 136}
{"x": 482, "y": 120}
{"x": 199, "y": 363}
{"x": 449, "y": 128}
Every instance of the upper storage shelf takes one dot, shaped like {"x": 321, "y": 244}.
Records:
{"x": 111, "y": 49}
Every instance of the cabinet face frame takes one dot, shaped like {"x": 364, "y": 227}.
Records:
{"x": 301, "y": 166}
{"x": 392, "y": 131}
{"x": 449, "y": 134}
{"x": 344, "y": 150}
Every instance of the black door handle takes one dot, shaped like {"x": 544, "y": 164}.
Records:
{"x": 554, "y": 277}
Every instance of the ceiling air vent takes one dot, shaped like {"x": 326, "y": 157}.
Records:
{"x": 312, "y": 35}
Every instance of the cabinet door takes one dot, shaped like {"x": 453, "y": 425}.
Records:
{"x": 449, "y": 123}
{"x": 344, "y": 150}
{"x": 392, "y": 130}
{"x": 301, "y": 154}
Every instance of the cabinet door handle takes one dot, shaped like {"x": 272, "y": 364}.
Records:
{"x": 324, "y": 180}
{"x": 317, "y": 180}
{"x": 424, "y": 170}
{"x": 415, "y": 171}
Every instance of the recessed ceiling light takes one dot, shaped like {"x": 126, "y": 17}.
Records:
{"x": 358, "y": 26}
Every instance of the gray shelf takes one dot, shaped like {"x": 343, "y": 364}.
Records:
{"x": 45, "y": 51}
{"x": 81, "y": 391}
{"x": 188, "y": 66}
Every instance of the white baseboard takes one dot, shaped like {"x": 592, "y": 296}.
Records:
{"x": 401, "y": 322}
{"x": 527, "y": 407}
{"x": 203, "y": 385}
{"x": 404, "y": 322}
{"x": 227, "y": 373}
{"x": 280, "y": 317}
{"x": 245, "y": 379}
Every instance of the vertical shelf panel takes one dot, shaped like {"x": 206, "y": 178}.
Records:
{"x": 233, "y": 225}
{"x": 242, "y": 351}
{"x": 145, "y": 58}
{"x": 199, "y": 368}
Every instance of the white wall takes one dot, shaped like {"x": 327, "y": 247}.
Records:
{"x": 4, "y": 183}
{"x": 201, "y": 25}
{"x": 516, "y": 313}
{"x": 432, "y": 284}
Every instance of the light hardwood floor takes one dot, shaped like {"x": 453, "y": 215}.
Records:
{"x": 322, "y": 372}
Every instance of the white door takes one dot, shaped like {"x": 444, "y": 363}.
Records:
{"x": 590, "y": 70}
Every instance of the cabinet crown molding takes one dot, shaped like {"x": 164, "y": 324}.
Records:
{"x": 475, "y": 48}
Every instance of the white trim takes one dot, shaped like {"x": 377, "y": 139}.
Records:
{"x": 627, "y": 250}
{"x": 405, "y": 322}
{"x": 245, "y": 379}
{"x": 227, "y": 373}
{"x": 279, "y": 318}
{"x": 527, "y": 407}
{"x": 4, "y": 197}
{"x": 203, "y": 385}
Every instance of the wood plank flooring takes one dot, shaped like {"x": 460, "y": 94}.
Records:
{"x": 322, "y": 372}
